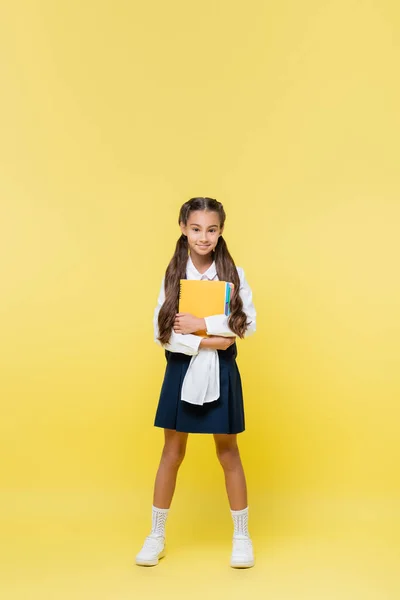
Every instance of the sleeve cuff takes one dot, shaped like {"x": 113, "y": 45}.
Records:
{"x": 193, "y": 341}
{"x": 186, "y": 344}
{"x": 218, "y": 325}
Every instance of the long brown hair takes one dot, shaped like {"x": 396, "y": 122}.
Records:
{"x": 176, "y": 270}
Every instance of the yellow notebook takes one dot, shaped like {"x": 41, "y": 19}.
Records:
{"x": 203, "y": 298}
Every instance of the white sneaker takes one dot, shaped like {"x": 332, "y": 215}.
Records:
{"x": 153, "y": 549}
{"x": 242, "y": 552}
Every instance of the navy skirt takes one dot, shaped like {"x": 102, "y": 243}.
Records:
{"x": 225, "y": 415}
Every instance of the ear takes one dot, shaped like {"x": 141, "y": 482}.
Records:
{"x": 183, "y": 228}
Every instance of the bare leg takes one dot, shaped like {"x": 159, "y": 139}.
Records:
{"x": 172, "y": 456}
{"x": 235, "y": 481}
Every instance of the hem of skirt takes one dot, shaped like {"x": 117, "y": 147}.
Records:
{"x": 202, "y": 432}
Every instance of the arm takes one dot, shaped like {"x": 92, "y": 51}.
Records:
{"x": 217, "y": 342}
{"x": 185, "y": 344}
{"x": 218, "y": 324}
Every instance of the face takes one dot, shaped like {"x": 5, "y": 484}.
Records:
{"x": 202, "y": 231}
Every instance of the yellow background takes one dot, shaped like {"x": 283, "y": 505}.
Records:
{"x": 112, "y": 115}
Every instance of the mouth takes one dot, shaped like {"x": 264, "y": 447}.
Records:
{"x": 202, "y": 246}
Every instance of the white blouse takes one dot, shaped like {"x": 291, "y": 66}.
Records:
{"x": 201, "y": 382}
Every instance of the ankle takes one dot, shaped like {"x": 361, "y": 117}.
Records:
{"x": 240, "y": 522}
{"x": 159, "y": 518}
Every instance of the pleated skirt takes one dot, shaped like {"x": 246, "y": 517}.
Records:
{"x": 225, "y": 415}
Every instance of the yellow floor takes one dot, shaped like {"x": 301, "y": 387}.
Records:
{"x": 73, "y": 544}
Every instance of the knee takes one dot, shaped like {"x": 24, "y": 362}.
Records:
{"x": 173, "y": 456}
{"x": 229, "y": 457}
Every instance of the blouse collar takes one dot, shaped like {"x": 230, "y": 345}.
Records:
{"x": 191, "y": 269}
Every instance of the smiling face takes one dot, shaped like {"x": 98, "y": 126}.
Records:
{"x": 202, "y": 231}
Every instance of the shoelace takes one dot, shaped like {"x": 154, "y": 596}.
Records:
{"x": 242, "y": 544}
{"x": 152, "y": 543}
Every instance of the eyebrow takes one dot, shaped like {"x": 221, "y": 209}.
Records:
{"x": 197, "y": 225}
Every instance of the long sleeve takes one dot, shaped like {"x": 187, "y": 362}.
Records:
{"x": 185, "y": 344}
{"x": 218, "y": 324}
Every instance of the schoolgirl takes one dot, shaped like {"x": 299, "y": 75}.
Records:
{"x": 202, "y": 390}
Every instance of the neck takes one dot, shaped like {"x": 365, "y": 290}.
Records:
{"x": 202, "y": 263}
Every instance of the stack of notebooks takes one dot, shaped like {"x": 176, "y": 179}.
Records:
{"x": 203, "y": 298}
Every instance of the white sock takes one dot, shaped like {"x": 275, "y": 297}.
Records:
{"x": 159, "y": 518}
{"x": 240, "y": 522}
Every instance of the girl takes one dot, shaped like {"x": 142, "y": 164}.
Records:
{"x": 202, "y": 390}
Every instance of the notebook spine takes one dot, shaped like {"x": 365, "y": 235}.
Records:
{"x": 229, "y": 288}
{"x": 227, "y": 299}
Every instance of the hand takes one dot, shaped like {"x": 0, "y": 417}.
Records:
{"x": 217, "y": 342}
{"x": 187, "y": 323}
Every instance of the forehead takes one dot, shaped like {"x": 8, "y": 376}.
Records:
{"x": 203, "y": 217}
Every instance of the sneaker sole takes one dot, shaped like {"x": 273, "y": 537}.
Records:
{"x": 150, "y": 563}
{"x": 243, "y": 565}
